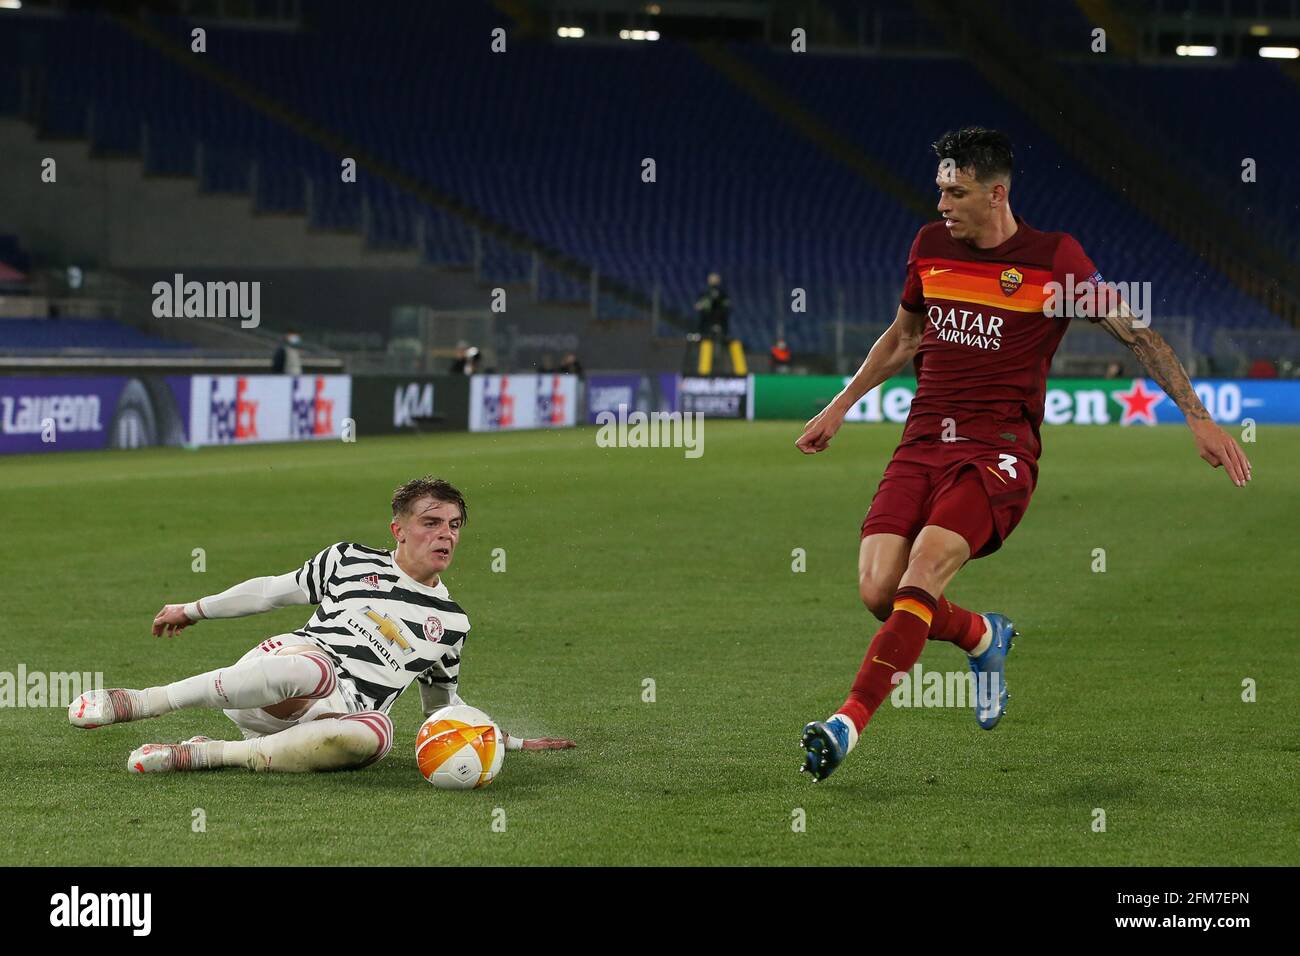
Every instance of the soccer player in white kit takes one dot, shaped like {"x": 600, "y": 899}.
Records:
{"x": 318, "y": 698}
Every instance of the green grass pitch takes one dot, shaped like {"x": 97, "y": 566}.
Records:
{"x": 627, "y": 564}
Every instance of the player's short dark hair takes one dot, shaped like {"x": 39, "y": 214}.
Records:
{"x": 986, "y": 153}
{"x": 408, "y": 493}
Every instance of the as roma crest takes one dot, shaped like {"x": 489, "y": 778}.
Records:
{"x": 1010, "y": 281}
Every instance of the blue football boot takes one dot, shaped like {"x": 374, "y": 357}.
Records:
{"x": 825, "y": 744}
{"x": 990, "y": 672}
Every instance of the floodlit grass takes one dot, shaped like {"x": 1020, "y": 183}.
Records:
{"x": 624, "y": 565}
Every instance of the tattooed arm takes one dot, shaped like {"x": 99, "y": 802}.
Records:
{"x": 1214, "y": 444}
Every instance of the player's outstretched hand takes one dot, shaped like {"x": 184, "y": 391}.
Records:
{"x": 1219, "y": 448}
{"x": 548, "y": 743}
{"x": 171, "y": 620}
{"x": 819, "y": 431}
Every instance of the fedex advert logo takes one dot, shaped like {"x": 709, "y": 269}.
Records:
{"x": 521, "y": 401}
{"x": 498, "y": 403}
{"x": 551, "y": 401}
{"x": 232, "y": 411}
{"x": 313, "y": 412}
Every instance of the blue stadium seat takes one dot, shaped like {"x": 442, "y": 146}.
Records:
{"x": 548, "y": 140}
{"x": 19, "y": 334}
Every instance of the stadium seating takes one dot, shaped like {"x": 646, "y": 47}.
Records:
{"x": 65, "y": 334}
{"x": 737, "y": 188}
{"x": 896, "y": 25}
{"x": 14, "y": 265}
{"x": 1246, "y": 101}
{"x": 12, "y": 254}
{"x": 1050, "y": 190}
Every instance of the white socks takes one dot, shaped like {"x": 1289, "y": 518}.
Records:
{"x": 985, "y": 641}
{"x": 334, "y": 743}
{"x": 257, "y": 682}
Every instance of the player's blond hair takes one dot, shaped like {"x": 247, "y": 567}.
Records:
{"x": 408, "y": 493}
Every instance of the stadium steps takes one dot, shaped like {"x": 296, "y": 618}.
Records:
{"x": 86, "y": 223}
{"x": 137, "y": 300}
{"x": 819, "y": 20}
{"x": 1121, "y": 37}
{"x": 374, "y": 165}
{"x": 618, "y": 342}
{"x": 1148, "y": 180}
{"x": 527, "y": 21}
{"x": 1291, "y": 68}
{"x": 804, "y": 122}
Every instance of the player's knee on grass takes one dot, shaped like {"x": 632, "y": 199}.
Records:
{"x": 369, "y": 737}
{"x": 343, "y": 745}
{"x": 349, "y": 742}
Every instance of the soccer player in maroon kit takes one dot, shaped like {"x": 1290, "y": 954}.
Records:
{"x": 980, "y": 321}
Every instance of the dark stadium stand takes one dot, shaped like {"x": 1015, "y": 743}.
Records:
{"x": 1216, "y": 115}
{"x": 897, "y": 25}
{"x": 12, "y": 254}
{"x": 1051, "y": 191}
{"x": 738, "y": 187}
{"x": 18, "y": 335}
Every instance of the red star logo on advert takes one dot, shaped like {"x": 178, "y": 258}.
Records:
{"x": 1139, "y": 404}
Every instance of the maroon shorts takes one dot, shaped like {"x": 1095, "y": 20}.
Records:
{"x": 976, "y": 491}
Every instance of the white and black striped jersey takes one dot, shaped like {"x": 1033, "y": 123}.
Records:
{"x": 382, "y": 628}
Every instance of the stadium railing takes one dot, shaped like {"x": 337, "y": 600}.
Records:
{"x": 1237, "y": 351}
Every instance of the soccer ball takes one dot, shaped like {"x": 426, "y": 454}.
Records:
{"x": 459, "y": 748}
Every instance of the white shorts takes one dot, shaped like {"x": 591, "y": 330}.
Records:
{"x": 256, "y": 722}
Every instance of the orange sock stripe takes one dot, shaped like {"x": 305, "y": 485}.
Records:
{"x": 916, "y": 608}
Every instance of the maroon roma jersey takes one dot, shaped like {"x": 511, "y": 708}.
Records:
{"x": 983, "y": 360}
